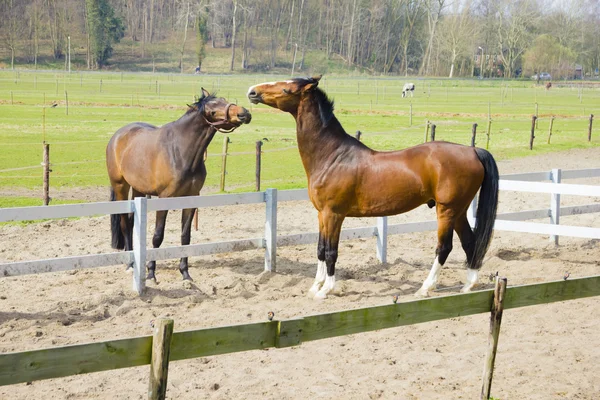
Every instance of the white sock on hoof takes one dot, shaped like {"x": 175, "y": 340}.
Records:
{"x": 472, "y": 276}
{"x": 327, "y": 287}
{"x": 431, "y": 280}
{"x": 319, "y": 278}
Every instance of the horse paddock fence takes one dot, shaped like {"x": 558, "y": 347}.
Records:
{"x": 140, "y": 207}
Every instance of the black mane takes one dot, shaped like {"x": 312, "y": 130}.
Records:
{"x": 200, "y": 103}
{"x": 326, "y": 105}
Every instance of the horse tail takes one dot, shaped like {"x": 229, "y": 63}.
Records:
{"x": 118, "y": 240}
{"x": 486, "y": 208}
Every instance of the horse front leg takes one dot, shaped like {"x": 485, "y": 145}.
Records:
{"x": 332, "y": 224}
{"x": 157, "y": 239}
{"x": 187, "y": 216}
{"x": 321, "y": 268}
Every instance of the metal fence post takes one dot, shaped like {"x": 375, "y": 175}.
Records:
{"x": 555, "y": 204}
{"x": 140, "y": 217}
{"x": 271, "y": 230}
{"x": 382, "y": 228}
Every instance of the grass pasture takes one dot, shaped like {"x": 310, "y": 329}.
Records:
{"x": 100, "y": 103}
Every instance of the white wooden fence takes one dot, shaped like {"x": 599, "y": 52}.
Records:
{"x": 270, "y": 241}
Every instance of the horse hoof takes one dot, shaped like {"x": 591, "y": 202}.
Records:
{"x": 320, "y": 295}
{"x": 467, "y": 289}
{"x": 421, "y": 294}
{"x": 186, "y": 276}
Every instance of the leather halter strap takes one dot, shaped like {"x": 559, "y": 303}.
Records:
{"x": 217, "y": 125}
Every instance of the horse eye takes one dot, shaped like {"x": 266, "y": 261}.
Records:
{"x": 213, "y": 113}
{"x": 286, "y": 91}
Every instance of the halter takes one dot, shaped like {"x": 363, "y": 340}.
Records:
{"x": 224, "y": 121}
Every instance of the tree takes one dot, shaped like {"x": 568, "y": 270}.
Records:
{"x": 105, "y": 29}
{"x": 547, "y": 54}
{"x": 202, "y": 37}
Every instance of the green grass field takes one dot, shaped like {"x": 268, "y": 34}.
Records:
{"x": 100, "y": 103}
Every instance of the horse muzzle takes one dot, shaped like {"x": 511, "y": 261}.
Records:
{"x": 244, "y": 117}
{"x": 254, "y": 96}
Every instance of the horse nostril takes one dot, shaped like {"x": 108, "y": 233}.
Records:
{"x": 252, "y": 93}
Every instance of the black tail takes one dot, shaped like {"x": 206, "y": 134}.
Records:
{"x": 118, "y": 241}
{"x": 486, "y": 209}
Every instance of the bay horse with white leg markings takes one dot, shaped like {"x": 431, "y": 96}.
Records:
{"x": 348, "y": 179}
{"x": 166, "y": 161}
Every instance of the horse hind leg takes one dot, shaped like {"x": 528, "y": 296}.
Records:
{"x": 321, "y": 268}
{"x": 467, "y": 240}
{"x": 442, "y": 251}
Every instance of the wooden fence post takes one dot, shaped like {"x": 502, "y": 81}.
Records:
{"x": 555, "y": 204}
{"x": 590, "y": 128}
{"x": 46, "y": 165}
{"x": 258, "y": 163}
{"x": 159, "y": 366}
{"x": 426, "y": 130}
{"x": 357, "y": 135}
{"x": 487, "y": 143}
{"x": 224, "y": 162}
{"x": 382, "y": 228}
{"x": 410, "y": 119}
{"x": 140, "y": 218}
{"x": 533, "y": 119}
{"x": 473, "y": 133}
{"x": 495, "y": 321}
{"x": 271, "y": 230}
{"x": 432, "y": 132}
{"x": 550, "y": 128}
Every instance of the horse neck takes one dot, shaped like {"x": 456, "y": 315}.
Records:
{"x": 317, "y": 142}
{"x": 196, "y": 135}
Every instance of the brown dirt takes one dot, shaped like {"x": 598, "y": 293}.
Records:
{"x": 545, "y": 352}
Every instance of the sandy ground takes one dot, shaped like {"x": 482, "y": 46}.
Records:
{"x": 545, "y": 352}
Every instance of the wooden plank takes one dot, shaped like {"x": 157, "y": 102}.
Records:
{"x": 413, "y": 312}
{"x": 581, "y": 173}
{"x": 411, "y": 227}
{"x": 74, "y": 360}
{"x": 524, "y": 215}
{"x": 65, "y": 211}
{"x": 204, "y": 249}
{"x": 541, "y": 187}
{"x": 65, "y": 263}
{"x": 289, "y": 333}
{"x": 547, "y": 229}
{"x": 529, "y": 176}
{"x": 292, "y": 195}
{"x": 159, "y": 365}
{"x": 228, "y": 339}
{"x": 177, "y": 203}
{"x": 550, "y": 292}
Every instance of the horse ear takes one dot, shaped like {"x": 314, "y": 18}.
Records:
{"x": 205, "y": 93}
{"x": 314, "y": 82}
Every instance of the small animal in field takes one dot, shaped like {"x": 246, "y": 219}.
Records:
{"x": 548, "y": 85}
{"x": 348, "y": 179}
{"x": 408, "y": 87}
{"x": 166, "y": 161}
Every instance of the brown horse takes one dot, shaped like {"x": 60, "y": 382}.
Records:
{"x": 166, "y": 162}
{"x": 548, "y": 85}
{"x": 348, "y": 179}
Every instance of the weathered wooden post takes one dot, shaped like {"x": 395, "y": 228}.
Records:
{"x": 473, "y": 134}
{"x": 67, "y": 102}
{"x": 590, "y": 128}
{"x": 226, "y": 142}
{"x": 432, "y": 132}
{"x": 159, "y": 366}
{"x": 533, "y": 119}
{"x": 357, "y": 135}
{"x": 426, "y": 130}
{"x": 487, "y": 143}
{"x": 495, "y": 321}
{"x": 46, "y": 165}
{"x": 410, "y": 119}
{"x": 550, "y": 128}
{"x": 258, "y": 163}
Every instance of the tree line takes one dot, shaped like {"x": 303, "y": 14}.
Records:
{"x": 398, "y": 37}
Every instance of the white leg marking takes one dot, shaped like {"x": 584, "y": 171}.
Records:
{"x": 431, "y": 280}
{"x": 327, "y": 287}
{"x": 319, "y": 279}
{"x": 472, "y": 275}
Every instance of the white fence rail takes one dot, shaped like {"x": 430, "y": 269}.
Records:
{"x": 141, "y": 206}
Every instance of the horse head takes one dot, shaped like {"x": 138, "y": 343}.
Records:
{"x": 220, "y": 114}
{"x": 284, "y": 95}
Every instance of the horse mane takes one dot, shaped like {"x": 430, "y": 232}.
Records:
{"x": 326, "y": 105}
{"x": 200, "y": 102}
